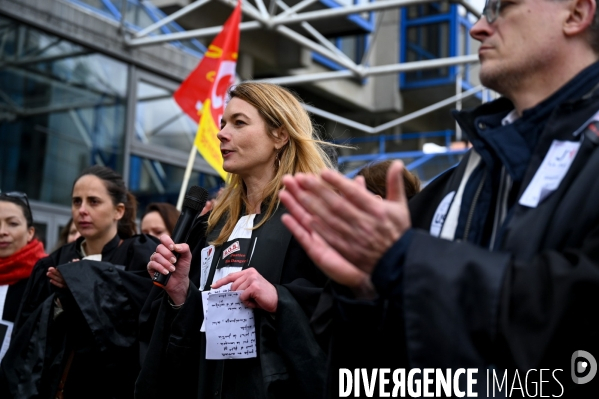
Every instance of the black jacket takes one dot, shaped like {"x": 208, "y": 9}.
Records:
{"x": 505, "y": 286}
{"x": 289, "y": 364}
{"x": 98, "y": 323}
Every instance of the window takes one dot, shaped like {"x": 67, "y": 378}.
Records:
{"x": 62, "y": 108}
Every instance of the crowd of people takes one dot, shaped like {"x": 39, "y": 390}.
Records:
{"x": 492, "y": 267}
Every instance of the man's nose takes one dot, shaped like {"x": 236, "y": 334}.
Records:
{"x": 480, "y": 29}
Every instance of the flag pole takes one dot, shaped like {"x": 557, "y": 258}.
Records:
{"x": 187, "y": 176}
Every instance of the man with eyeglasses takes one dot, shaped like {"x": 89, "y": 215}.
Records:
{"x": 495, "y": 264}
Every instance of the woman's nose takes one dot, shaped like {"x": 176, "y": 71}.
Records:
{"x": 223, "y": 135}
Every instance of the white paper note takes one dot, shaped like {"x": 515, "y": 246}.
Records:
{"x": 230, "y": 328}
{"x": 551, "y": 172}
{"x": 207, "y": 256}
{"x": 205, "y": 294}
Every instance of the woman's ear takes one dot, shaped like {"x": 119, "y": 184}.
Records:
{"x": 30, "y": 233}
{"x": 119, "y": 211}
{"x": 282, "y": 137}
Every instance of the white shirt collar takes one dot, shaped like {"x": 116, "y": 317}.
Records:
{"x": 510, "y": 118}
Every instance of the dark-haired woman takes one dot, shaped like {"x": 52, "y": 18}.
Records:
{"x": 68, "y": 234}
{"x": 375, "y": 178}
{"x": 19, "y": 251}
{"x": 76, "y": 332}
{"x": 159, "y": 218}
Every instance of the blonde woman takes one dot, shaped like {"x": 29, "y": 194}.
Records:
{"x": 265, "y": 134}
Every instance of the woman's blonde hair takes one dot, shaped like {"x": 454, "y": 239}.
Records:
{"x": 303, "y": 152}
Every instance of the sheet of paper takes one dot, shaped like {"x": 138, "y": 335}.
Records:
{"x": 205, "y": 294}
{"x": 207, "y": 256}
{"x": 554, "y": 167}
{"x": 230, "y": 328}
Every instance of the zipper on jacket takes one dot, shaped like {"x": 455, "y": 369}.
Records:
{"x": 505, "y": 187}
{"x": 473, "y": 206}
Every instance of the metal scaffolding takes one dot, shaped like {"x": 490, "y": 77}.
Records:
{"x": 278, "y": 16}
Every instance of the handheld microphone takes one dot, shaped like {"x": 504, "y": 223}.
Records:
{"x": 194, "y": 201}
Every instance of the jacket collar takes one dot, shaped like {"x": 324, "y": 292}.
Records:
{"x": 513, "y": 144}
{"x": 108, "y": 249}
{"x": 586, "y": 81}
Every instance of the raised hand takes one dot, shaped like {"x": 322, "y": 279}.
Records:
{"x": 341, "y": 225}
{"x": 163, "y": 260}
{"x": 257, "y": 291}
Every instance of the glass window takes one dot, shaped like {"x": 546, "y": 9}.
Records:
{"x": 425, "y": 10}
{"x": 160, "y": 121}
{"x": 353, "y": 46}
{"x": 426, "y": 42}
{"x": 155, "y": 181}
{"x": 62, "y": 108}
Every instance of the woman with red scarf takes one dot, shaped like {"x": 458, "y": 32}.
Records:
{"x": 19, "y": 252}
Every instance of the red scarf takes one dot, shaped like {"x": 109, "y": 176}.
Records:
{"x": 20, "y": 264}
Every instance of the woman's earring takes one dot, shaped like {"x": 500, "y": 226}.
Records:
{"x": 277, "y": 161}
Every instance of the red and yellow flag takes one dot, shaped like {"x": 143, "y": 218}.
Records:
{"x": 202, "y": 94}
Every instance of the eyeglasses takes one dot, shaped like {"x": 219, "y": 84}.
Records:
{"x": 23, "y": 198}
{"x": 491, "y": 10}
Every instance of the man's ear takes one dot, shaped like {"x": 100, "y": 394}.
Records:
{"x": 582, "y": 15}
{"x": 282, "y": 137}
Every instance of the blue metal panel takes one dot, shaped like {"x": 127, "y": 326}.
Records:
{"x": 113, "y": 12}
{"x": 402, "y": 136}
{"x": 106, "y": 13}
{"x": 134, "y": 173}
{"x": 402, "y": 39}
{"x": 453, "y": 38}
{"x": 367, "y": 25}
{"x": 428, "y": 20}
{"x": 361, "y": 48}
{"x": 156, "y": 15}
{"x": 455, "y": 21}
{"x": 395, "y": 155}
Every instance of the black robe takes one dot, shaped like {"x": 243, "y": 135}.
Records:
{"x": 98, "y": 323}
{"x": 290, "y": 363}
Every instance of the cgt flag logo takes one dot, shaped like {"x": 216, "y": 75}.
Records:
{"x": 582, "y": 362}
{"x": 202, "y": 95}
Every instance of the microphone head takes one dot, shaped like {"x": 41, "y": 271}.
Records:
{"x": 195, "y": 198}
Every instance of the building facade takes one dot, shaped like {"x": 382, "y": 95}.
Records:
{"x": 77, "y": 89}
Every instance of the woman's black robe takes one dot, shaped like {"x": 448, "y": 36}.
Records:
{"x": 98, "y": 323}
{"x": 290, "y": 363}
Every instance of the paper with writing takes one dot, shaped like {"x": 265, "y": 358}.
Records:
{"x": 205, "y": 294}
{"x": 230, "y": 328}
{"x": 554, "y": 167}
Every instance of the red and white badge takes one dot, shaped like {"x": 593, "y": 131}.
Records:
{"x": 231, "y": 249}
